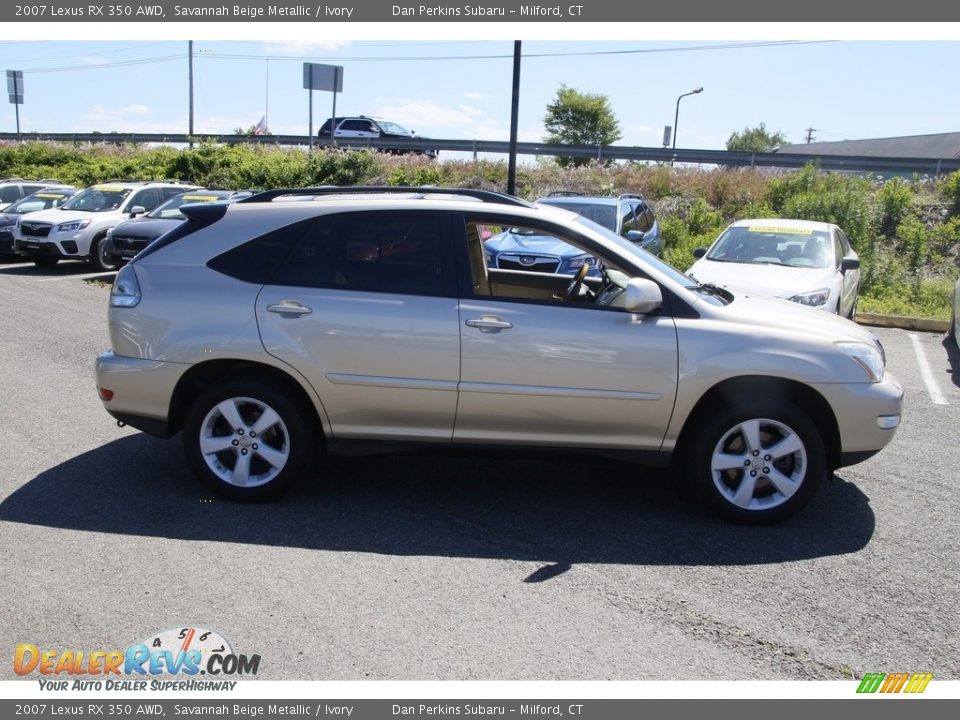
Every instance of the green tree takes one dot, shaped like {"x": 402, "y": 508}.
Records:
{"x": 577, "y": 118}
{"x": 757, "y": 139}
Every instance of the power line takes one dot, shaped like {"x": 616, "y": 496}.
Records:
{"x": 103, "y": 66}
{"x": 417, "y": 58}
{"x": 420, "y": 58}
{"x": 99, "y": 52}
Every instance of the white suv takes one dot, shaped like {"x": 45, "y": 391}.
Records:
{"x": 78, "y": 228}
{"x": 268, "y": 331}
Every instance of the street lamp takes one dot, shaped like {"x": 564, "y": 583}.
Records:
{"x": 676, "y": 117}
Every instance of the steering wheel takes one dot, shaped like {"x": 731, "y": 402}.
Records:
{"x": 574, "y": 287}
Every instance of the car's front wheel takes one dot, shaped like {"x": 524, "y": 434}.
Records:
{"x": 247, "y": 440}
{"x": 99, "y": 257}
{"x": 757, "y": 463}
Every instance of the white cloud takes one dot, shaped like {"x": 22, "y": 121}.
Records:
{"x": 304, "y": 49}
{"x": 436, "y": 119}
{"x": 470, "y": 95}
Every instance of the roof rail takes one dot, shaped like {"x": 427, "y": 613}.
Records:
{"x": 631, "y": 196}
{"x": 563, "y": 193}
{"x": 11, "y": 179}
{"x": 483, "y": 195}
{"x": 118, "y": 180}
{"x": 50, "y": 180}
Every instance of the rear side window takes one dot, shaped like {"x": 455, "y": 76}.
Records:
{"x": 257, "y": 260}
{"x": 403, "y": 253}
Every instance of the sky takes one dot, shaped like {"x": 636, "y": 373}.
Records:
{"x": 786, "y": 77}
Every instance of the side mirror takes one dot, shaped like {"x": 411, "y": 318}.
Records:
{"x": 634, "y": 236}
{"x": 137, "y": 210}
{"x": 699, "y": 253}
{"x": 849, "y": 263}
{"x": 642, "y": 296}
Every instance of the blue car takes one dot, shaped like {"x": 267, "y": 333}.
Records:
{"x": 628, "y": 215}
{"x": 521, "y": 249}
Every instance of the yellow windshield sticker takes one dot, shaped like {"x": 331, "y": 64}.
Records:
{"x": 109, "y": 188}
{"x": 49, "y": 195}
{"x": 780, "y": 230}
{"x": 200, "y": 198}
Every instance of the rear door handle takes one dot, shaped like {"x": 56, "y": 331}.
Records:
{"x": 289, "y": 307}
{"x": 489, "y": 324}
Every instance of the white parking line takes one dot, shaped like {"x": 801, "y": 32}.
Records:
{"x": 926, "y": 373}
{"x": 82, "y": 276}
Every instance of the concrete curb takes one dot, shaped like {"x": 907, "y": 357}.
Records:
{"x": 903, "y": 322}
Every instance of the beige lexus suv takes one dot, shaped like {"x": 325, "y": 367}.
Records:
{"x": 268, "y": 332}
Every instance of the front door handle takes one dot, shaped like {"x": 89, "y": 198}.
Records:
{"x": 489, "y": 324}
{"x": 289, "y": 307}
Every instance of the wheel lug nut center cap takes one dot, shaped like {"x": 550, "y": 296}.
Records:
{"x": 757, "y": 463}
{"x": 246, "y": 442}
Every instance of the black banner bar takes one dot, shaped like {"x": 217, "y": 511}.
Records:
{"x": 484, "y": 709}
{"x": 514, "y": 11}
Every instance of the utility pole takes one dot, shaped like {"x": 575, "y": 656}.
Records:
{"x": 190, "y": 75}
{"x": 810, "y": 137}
{"x": 514, "y": 120}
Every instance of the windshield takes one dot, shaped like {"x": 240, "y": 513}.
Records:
{"x": 630, "y": 248}
{"x": 37, "y": 201}
{"x": 99, "y": 198}
{"x": 170, "y": 210}
{"x": 392, "y": 127}
{"x": 772, "y": 245}
{"x": 605, "y": 215}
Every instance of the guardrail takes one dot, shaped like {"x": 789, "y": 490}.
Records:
{"x": 851, "y": 163}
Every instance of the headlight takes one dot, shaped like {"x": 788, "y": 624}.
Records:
{"x": 815, "y": 298}
{"x": 579, "y": 262}
{"x": 73, "y": 225}
{"x": 866, "y": 356}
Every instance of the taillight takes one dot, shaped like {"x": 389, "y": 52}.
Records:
{"x": 126, "y": 288}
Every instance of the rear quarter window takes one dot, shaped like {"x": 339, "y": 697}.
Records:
{"x": 257, "y": 260}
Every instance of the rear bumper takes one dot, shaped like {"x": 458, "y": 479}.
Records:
{"x": 140, "y": 389}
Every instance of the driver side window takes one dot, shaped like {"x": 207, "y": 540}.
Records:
{"x": 530, "y": 263}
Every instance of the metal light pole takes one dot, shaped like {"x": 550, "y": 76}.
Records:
{"x": 676, "y": 116}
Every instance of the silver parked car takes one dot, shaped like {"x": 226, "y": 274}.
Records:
{"x": 361, "y": 315}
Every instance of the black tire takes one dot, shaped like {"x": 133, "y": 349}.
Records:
{"x": 45, "y": 262}
{"x": 723, "y": 433}
{"x": 288, "y": 438}
{"x": 99, "y": 258}
{"x": 852, "y": 315}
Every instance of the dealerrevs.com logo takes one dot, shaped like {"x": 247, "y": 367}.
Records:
{"x": 890, "y": 683}
{"x": 184, "y": 653}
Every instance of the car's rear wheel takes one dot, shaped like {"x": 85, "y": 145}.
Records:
{"x": 99, "y": 257}
{"x": 757, "y": 462}
{"x": 246, "y": 440}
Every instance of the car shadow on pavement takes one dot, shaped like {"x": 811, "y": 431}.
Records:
{"x": 554, "y": 508}
{"x": 953, "y": 356}
{"x": 69, "y": 267}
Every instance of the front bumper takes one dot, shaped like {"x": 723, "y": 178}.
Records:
{"x": 140, "y": 390}
{"x": 868, "y": 415}
{"x": 41, "y": 248}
